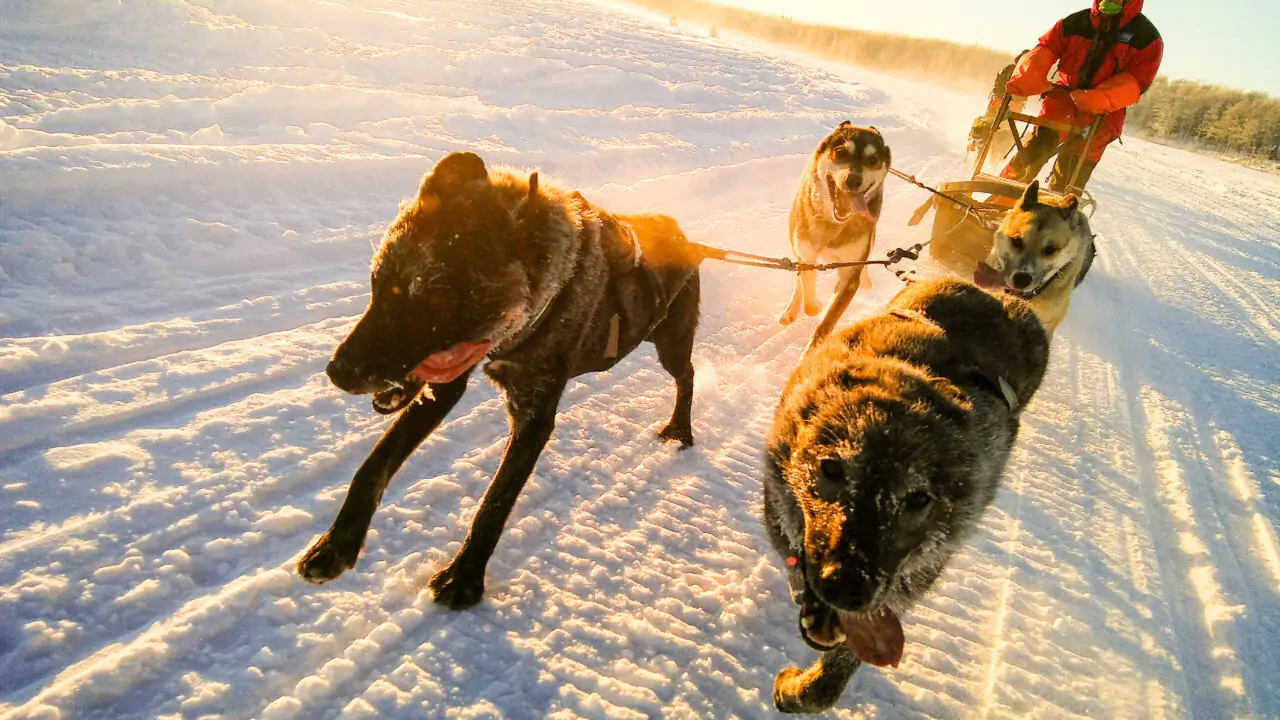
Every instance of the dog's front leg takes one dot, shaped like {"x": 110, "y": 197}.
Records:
{"x": 819, "y": 687}
{"x": 805, "y": 292}
{"x": 336, "y": 551}
{"x": 792, "y": 312}
{"x": 809, "y": 285}
{"x": 846, "y": 287}
{"x": 460, "y": 584}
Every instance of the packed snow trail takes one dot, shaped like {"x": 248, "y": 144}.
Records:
{"x": 188, "y": 193}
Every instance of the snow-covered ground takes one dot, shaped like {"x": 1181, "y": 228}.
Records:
{"x": 188, "y": 194}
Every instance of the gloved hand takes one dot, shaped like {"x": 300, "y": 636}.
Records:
{"x": 1027, "y": 85}
{"x": 1061, "y": 93}
{"x": 1118, "y": 91}
{"x": 1091, "y": 101}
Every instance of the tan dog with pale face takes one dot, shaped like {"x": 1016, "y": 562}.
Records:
{"x": 1042, "y": 251}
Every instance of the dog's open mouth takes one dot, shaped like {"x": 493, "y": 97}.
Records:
{"x": 398, "y": 396}
{"x": 875, "y": 638}
{"x": 441, "y": 367}
{"x": 845, "y": 205}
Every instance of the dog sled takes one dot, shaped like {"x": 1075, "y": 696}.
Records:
{"x": 967, "y": 212}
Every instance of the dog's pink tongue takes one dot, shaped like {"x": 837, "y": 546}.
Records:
{"x": 847, "y": 204}
{"x": 874, "y": 639}
{"x": 858, "y": 204}
{"x": 988, "y": 277}
{"x": 447, "y": 365}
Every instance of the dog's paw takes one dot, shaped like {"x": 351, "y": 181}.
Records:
{"x": 327, "y": 559}
{"x": 816, "y": 689}
{"x": 791, "y": 692}
{"x": 673, "y": 433}
{"x": 812, "y": 309}
{"x": 788, "y": 316}
{"x": 457, "y": 589}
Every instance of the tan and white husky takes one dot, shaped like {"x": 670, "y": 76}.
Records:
{"x": 834, "y": 217}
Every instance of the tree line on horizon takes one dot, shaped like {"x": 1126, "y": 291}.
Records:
{"x": 1180, "y": 111}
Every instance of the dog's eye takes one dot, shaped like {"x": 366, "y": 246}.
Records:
{"x": 831, "y": 479}
{"x": 832, "y": 470}
{"x": 917, "y": 500}
{"x": 1017, "y": 243}
{"x": 872, "y": 163}
{"x": 1049, "y": 251}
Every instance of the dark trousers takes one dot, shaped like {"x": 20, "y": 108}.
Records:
{"x": 1042, "y": 146}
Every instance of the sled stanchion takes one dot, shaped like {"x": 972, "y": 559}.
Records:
{"x": 1084, "y": 152}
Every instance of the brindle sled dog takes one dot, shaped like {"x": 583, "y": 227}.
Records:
{"x": 491, "y": 264}
{"x": 887, "y": 445}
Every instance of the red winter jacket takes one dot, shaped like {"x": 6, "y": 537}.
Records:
{"x": 1107, "y": 70}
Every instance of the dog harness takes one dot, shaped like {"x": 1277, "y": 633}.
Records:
{"x": 621, "y": 264}
{"x": 615, "y": 322}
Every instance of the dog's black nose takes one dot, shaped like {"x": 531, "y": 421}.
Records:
{"x": 344, "y": 375}
{"x": 843, "y": 589}
{"x": 1021, "y": 280}
{"x": 853, "y": 182}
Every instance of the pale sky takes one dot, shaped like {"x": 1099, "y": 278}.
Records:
{"x": 1235, "y": 43}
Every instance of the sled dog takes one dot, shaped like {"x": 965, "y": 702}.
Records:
{"x": 1001, "y": 142}
{"x": 1041, "y": 252}
{"x": 834, "y": 217}
{"x": 888, "y": 443}
{"x": 491, "y": 266}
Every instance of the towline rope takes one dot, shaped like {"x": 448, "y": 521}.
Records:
{"x": 894, "y": 256}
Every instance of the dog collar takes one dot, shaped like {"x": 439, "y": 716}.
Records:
{"x": 1010, "y": 397}
{"x": 636, "y": 253}
{"x": 542, "y": 314}
{"x": 997, "y": 383}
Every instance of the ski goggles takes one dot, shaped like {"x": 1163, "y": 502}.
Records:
{"x": 1110, "y": 7}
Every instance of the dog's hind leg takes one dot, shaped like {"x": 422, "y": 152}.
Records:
{"x": 336, "y": 551}
{"x": 819, "y": 687}
{"x": 460, "y": 584}
{"x": 673, "y": 339}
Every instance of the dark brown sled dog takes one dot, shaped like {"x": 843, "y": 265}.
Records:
{"x": 490, "y": 264}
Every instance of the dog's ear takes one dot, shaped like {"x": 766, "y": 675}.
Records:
{"x": 1069, "y": 204}
{"x": 533, "y": 187}
{"x": 1030, "y": 197}
{"x": 846, "y": 123}
{"x": 454, "y": 172}
{"x": 874, "y": 129}
{"x": 953, "y": 403}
